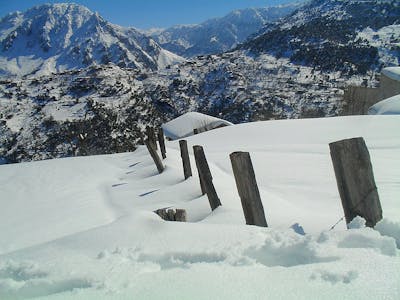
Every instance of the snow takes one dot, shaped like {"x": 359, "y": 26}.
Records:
{"x": 184, "y": 125}
{"x": 392, "y": 72}
{"x": 385, "y": 39}
{"x": 83, "y": 228}
{"x": 390, "y": 106}
{"x": 167, "y": 58}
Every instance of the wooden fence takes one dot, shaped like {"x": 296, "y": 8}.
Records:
{"x": 351, "y": 163}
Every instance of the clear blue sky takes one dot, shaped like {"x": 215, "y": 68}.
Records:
{"x": 146, "y": 14}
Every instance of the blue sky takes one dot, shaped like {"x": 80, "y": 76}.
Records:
{"x": 146, "y": 14}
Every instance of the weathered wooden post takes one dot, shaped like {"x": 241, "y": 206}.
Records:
{"x": 195, "y": 131}
{"x": 355, "y": 180}
{"x": 154, "y": 155}
{"x": 162, "y": 213}
{"x": 187, "y": 170}
{"x": 161, "y": 141}
{"x": 180, "y": 215}
{"x": 206, "y": 177}
{"x": 248, "y": 190}
{"x": 171, "y": 215}
{"x": 151, "y": 136}
{"x": 202, "y": 186}
{"x": 166, "y": 214}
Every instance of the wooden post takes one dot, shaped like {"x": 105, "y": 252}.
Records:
{"x": 248, "y": 190}
{"x": 151, "y": 136}
{"x": 187, "y": 170}
{"x": 161, "y": 141}
{"x": 162, "y": 213}
{"x": 195, "y": 131}
{"x": 171, "y": 215}
{"x": 154, "y": 155}
{"x": 205, "y": 177}
{"x": 202, "y": 186}
{"x": 355, "y": 180}
{"x": 166, "y": 214}
{"x": 180, "y": 215}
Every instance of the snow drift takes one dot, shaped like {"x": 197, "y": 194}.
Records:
{"x": 83, "y": 228}
{"x": 390, "y": 106}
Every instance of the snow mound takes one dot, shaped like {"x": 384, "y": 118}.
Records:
{"x": 184, "y": 125}
{"x": 389, "y": 106}
{"x": 392, "y": 72}
{"x": 389, "y": 228}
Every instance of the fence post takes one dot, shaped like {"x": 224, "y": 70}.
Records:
{"x": 355, "y": 180}
{"x": 202, "y": 186}
{"x": 154, "y": 155}
{"x": 195, "y": 131}
{"x": 206, "y": 177}
{"x": 248, "y": 190}
{"x": 187, "y": 170}
{"x": 161, "y": 141}
{"x": 180, "y": 215}
{"x": 166, "y": 214}
{"x": 151, "y": 136}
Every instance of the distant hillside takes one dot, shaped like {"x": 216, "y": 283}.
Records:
{"x": 348, "y": 36}
{"x": 219, "y": 34}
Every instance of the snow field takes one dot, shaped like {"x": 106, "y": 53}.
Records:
{"x": 83, "y": 228}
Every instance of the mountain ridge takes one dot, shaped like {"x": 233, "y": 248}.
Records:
{"x": 218, "y": 35}
{"x": 331, "y": 35}
{"x": 55, "y": 37}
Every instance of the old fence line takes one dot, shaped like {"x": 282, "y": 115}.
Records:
{"x": 351, "y": 162}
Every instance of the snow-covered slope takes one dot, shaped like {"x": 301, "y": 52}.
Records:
{"x": 55, "y": 37}
{"x": 351, "y": 36}
{"x": 219, "y": 34}
{"x": 44, "y": 117}
{"x": 83, "y": 228}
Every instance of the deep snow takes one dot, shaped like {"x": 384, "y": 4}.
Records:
{"x": 83, "y": 228}
{"x": 389, "y": 106}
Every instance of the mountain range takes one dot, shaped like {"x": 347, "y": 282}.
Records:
{"x": 220, "y": 34}
{"x": 56, "y": 37}
{"x": 294, "y": 68}
{"x": 351, "y": 36}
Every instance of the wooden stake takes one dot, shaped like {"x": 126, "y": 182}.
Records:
{"x": 154, "y": 155}
{"x": 355, "y": 180}
{"x": 248, "y": 190}
{"x": 151, "y": 136}
{"x": 166, "y": 214}
{"x": 205, "y": 177}
{"x": 180, "y": 215}
{"x": 187, "y": 170}
{"x": 161, "y": 141}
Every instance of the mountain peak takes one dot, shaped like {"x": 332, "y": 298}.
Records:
{"x": 54, "y": 37}
{"x": 220, "y": 34}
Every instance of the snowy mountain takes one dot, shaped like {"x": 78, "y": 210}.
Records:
{"x": 349, "y": 36}
{"x": 104, "y": 108}
{"x": 219, "y": 34}
{"x": 57, "y": 37}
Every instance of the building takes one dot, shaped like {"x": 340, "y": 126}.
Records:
{"x": 186, "y": 124}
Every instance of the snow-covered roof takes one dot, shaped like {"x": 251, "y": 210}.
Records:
{"x": 389, "y": 106}
{"x": 392, "y": 72}
{"x": 184, "y": 125}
